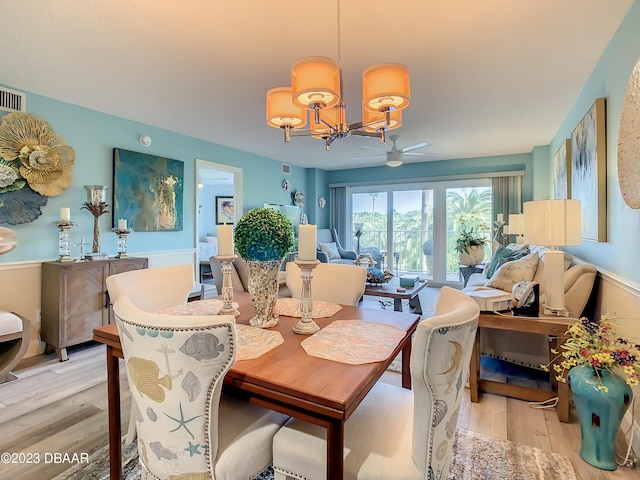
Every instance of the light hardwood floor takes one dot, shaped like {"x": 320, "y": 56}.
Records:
{"x": 62, "y": 407}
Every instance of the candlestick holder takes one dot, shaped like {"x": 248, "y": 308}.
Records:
{"x": 227, "y": 286}
{"x": 121, "y": 244}
{"x": 64, "y": 239}
{"x": 96, "y": 204}
{"x": 306, "y": 326}
{"x": 499, "y": 237}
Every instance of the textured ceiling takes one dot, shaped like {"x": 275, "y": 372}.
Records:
{"x": 488, "y": 77}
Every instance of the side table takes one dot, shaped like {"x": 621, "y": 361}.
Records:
{"x": 467, "y": 271}
{"x": 552, "y": 326}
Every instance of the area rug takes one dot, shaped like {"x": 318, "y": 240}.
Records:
{"x": 476, "y": 457}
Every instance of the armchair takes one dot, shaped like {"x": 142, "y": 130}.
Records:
{"x": 329, "y": 246}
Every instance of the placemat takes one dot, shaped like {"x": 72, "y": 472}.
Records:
{"x": 354, "y": 341}
{"x": 254, "y": 342}
{"x": 290, "y": 307}
{"x": 211, "y": 306}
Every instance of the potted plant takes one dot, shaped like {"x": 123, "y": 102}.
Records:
{"x": 263, "y": 237}
{"x": 470, "y": 247}
{"x": 600, "y": 369}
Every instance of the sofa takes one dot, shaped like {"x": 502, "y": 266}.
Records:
{"x": 522, "y": 348}
{"x": 329, "y": 249}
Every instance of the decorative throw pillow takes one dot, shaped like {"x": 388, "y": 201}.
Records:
{"x": 331, "y": 249}
{"x": 517, "y": 255}
{"x": 493, "y": 263}
{"x": 513, "y": 272}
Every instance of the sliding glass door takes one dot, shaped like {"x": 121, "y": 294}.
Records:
{"x": 413, "y": 228}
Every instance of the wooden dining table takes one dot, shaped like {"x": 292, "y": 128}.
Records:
{"x": 285, "y": 379}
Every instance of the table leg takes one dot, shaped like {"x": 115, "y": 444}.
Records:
{"x": 335, "y": 447}
{"x": 474, "y": 370}
{"x": 414, "y": 305}
{"x": 397, "y": 304}
{"x": 563, "y": 402}
{"x": 406, "y": 369}
{"x": 115, "y": 434}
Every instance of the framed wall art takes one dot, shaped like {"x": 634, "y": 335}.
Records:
{"x": 562, "y": 171}
{"x": 589, "y": 171}
{"x": 147, "y": 191}
{"x": 225, "y": 210}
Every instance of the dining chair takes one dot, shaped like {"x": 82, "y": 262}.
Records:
{"x": 343, "y": 284}
{"x": 151, "y": 289}
{"x": 396, "y": 432}
{"x": 186, "y": 427}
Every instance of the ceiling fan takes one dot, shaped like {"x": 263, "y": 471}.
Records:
{"x": 394, "y": 156}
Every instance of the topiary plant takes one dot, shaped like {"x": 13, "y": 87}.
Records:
{"x": 263, "y": 234}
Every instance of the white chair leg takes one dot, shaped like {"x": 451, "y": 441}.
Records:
{"x": 131, "y": 431}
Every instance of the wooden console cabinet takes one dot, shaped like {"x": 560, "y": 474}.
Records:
{"x": 75, "y": 300}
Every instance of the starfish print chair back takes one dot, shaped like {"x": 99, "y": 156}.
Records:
{"x": 396, "y": 432}
{"x": 186, "y": 427}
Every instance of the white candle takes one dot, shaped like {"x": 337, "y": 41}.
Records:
{"x": 500, "y": 217}
{"x": 307, "y": 242}
{"x": 225, "y": 240}
{"x": 122, "y": 224}
{"x": 65, "y": 214}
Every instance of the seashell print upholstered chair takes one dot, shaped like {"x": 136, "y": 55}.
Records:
{"x": 151, "y": 289}
{"x": 186, "y": 427}
{"x": 395, "y": 432}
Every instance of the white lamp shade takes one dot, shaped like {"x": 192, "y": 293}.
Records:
{"x": 315, "y": 81}
{"x": 386, "y": 86}
{"x": 552, "y": 222}
{"x": 281, "y": 112}
{"x": 516, "y": 224}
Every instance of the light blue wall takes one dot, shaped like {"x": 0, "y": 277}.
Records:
{"x": 93, "y": 135}
{"x": 620, "y": 254}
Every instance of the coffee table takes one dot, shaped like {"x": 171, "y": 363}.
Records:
{"x": 390, "y": 290}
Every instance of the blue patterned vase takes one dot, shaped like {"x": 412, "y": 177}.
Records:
{"x": 600, "y": 413}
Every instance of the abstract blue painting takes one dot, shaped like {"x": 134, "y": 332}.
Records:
{"x": 147, "y": 191}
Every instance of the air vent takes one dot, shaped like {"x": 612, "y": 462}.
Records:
{"x": 11, "y": 101}
{"x": 286, "y": 168}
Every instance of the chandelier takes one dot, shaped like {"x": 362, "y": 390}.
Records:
{"x": 316, "y": 89}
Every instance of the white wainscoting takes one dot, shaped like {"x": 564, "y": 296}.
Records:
{"x": 619, "y": 296}
{"x": 20, "y": 286}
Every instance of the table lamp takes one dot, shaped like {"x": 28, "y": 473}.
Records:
{"x": 516, "y": 226}
{"x": 554, "y": 223}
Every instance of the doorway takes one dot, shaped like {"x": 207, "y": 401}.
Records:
{"x": 214, "y": 180}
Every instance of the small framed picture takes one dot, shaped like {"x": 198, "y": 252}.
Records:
{"x": 225, "y": 210}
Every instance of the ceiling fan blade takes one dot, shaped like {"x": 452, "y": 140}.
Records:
{"x": 410, "y": 154}
{"x": 369, "y": 147}
{"x": 414, "y": 147}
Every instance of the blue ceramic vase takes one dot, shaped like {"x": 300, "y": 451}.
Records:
{"x": 600, "y": 413}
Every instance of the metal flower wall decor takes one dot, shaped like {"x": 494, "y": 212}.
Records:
{"x": 35, "y": 164}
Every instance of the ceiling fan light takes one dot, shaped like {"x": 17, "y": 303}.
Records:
{"x": 386, "y": 86}
{"x": 281, "y": 112}
{"x": 315, "y": 81}
{"x": 374, "y": 121}
{"x": 394, "y": 163}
